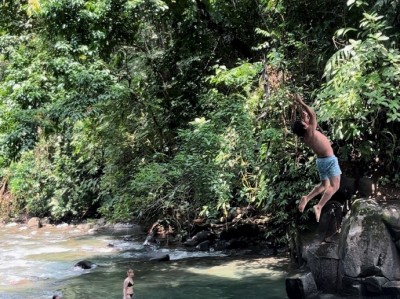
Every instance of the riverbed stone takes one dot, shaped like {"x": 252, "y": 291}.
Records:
{"x": 350, "y": 287}
{"x": 372, "y": 285}
{"x": 300, "y": 284}
{"x": 84, "y": 265}
{"x": 34, "y": 222}
{"x": 204, "y": 246}
{"x": 161, "y": 258}
{"x": 198, "y": 238}
{"x": 85, "y": 226}
{"x": 392, "y": 289}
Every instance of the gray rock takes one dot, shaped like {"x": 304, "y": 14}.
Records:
{"x": 204, "y": 246}
{"x": 34, "y": 222}
{"x": 391, "y": 217}
{"x": 84, "y": 265}
{"x": 323, "y": 261}
{"x": 362, "y": 261}
{"x": 372, "y": 285}
{"x": 366, "y": 243}
{"x": 161, "y": 258}
{"x": 350, "y": 286}
{"x": 300, "y": 284}
{"x": 392, "y": 289}
{"x": 198, "y": 238}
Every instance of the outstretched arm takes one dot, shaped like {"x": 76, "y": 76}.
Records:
{"x": 309, "y": 114}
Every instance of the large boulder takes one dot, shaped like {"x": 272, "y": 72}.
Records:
{"x": 369, "y": 258}
{"x": 363, "y": 260}
{"x": 323, "y": 262}
{"x": 366, "y": 247}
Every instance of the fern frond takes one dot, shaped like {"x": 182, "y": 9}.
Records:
{"x": 339, "y": 57}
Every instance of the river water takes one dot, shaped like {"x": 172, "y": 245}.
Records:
{"x": 38, "y": 263}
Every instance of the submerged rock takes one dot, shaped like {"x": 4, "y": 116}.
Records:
{"x": 85, "y": 265}
{"x": 161, "y": 258}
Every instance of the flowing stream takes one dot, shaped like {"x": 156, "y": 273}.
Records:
{"x": 38, "y": 263}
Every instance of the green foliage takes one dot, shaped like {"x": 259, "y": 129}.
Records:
{"x": 76, "y": 187}
{"x": 50, "y": 181}
{"x": 361, "y": 98}
{"x": 13, "y": 19}
{"x": 137, "y": 109}
{"x": 31, "y": 183}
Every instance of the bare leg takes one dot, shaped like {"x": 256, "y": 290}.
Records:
{"x": 331, "y": 187}
{"x": 317, "y": 212}
{"x": 318, "y": 189}
{"x": 303, "y": 203}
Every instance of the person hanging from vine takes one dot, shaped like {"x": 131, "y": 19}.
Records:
{"x": 327, "y": 163}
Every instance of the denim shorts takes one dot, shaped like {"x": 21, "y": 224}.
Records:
{"x": 328, "y": 167}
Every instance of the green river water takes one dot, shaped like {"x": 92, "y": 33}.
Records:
{"x": 38, "y": 263}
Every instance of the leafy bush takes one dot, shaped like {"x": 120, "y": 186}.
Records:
{"x": 31, "y": 183}
{"x": 361, "y": 98}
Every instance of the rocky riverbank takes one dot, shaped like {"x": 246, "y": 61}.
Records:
{"x": 359, "y": 257}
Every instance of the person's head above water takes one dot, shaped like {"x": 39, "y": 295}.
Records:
{"x": 130, "y": 272}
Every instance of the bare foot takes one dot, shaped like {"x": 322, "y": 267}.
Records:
{"x": 303, "y": 203}
{"x": 317, "y": 211}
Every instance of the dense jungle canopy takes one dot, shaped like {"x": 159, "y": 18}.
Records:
{"x": 178, "y": 109}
